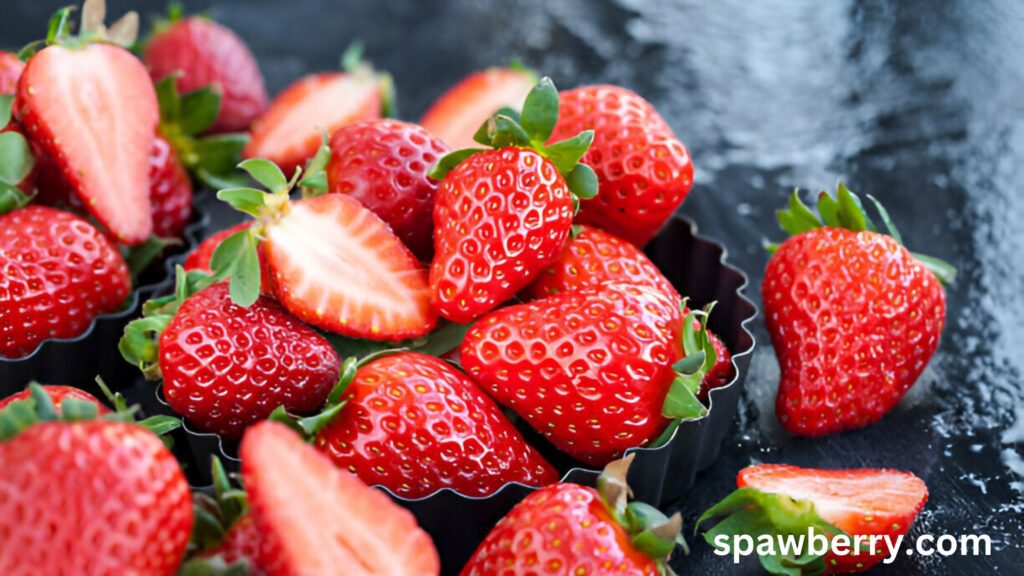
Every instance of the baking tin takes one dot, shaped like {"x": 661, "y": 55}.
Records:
{"x": 659, "y": 476}
{"x": 77, "y": 361}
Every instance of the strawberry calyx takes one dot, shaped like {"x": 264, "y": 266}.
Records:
{"x": 216, "y": 513}
{"x": 21, "y": 414}
{"x": 650, "y": 531}
{"x": 92, "y": 29}
{"x": 184, "y": 118}
{"x": 845, "y": 210}
{"x": 16, "y": 161}
{"x": 752, "y": 512}
{"x": 532, "y": 129}
{"x": 699, "y": 356}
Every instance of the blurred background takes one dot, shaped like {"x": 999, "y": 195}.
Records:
{"x": 920, "y": 103}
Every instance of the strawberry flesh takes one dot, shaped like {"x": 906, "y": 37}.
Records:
{"x": 459, "y": 112}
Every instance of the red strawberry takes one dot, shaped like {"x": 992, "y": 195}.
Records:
{"x": 288, "y": 133}
{"x": 57, "y": 273}
{"x": 412, "y": 423}
{"x": 317, "y": 520}
{"x": 854, "y": 317}
{"x": 721, "y": 373}
{"x": 591, "y": 369}
{"x": 571, "y": 529}
{"x": 225, "y": 367}
{"x": 10, "y": 70}
{"x": 595, "y": 258}
{"x": 501, "y": 216}
{"x": 91, "y": 108}
{"x": 455, "y": 116}
{"x": 782, "y": 499}
{"x": 170, "y": 191}
{"x": 384, "y": 165}
{"x": 204, "y": 53}
{"x": 90, "y": 497}
{"x": 57, "y": 394}
{"x": 644, "y": 171}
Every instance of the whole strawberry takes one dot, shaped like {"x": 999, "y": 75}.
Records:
{"x": 384, "y": 165}
{"x": 225, "y": 366}
{"x": 597, "y": 371}
{"x": 57, "y": 273}
{"x": 87, "y": 496}
{"x": 204, "y": 53}
{"x": 89, "y": 106}
{"x": 778, "y": 499}
{"x": 573, "y": 529}
{"x": 170, "y": 191}
{"x": 853, "y": 315}
{"x": 413, "y": 424}
{"x": 644, "y": 171}
{"x": 502, "y": 215}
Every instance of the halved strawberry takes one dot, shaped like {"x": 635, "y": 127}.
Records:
{"x": 459, "y": 112}
{"x": 315, "y": 518}
{"x": 92, "y": 108}
{"x": 288, "y": 133}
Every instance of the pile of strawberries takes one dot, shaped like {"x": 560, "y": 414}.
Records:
{"x": 402, "y": 303}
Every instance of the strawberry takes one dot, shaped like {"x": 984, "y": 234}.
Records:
{"x": 595, "y": 258}
{"x": 384, "y": 165}
{"x": 170, "y": 191}
{"x": 853, "y": 315}
{"x": 455, "y": 116}
{"x": 86, "y": 496}
{"x": 315, "y": 519}
{"x": 91, "y": 108}
{"x": 597, "y": 371}
{"x": 288, "y": 133}
{"x": 413, "y": 424}
{"x": 57, "y": 273}
{"x": 224, "y": 366}
{"x": 10, "y": 70}
{"x": 332, "y": 263}
{"x": 57, "y": 395}
{"x": 202, "y": 53}
{"x": 720, "y": 373}
{"x": 782, "y": 499}
{"x": 571, "y": 529}
{"x": 502, "y": 215}
{"x": 644, "y": 171}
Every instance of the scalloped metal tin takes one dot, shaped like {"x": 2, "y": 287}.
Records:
{"x": 458, "y": 523}
{"x": 77, "y": 361}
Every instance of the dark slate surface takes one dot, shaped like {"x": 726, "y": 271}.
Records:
{"x": 920, "y": 103}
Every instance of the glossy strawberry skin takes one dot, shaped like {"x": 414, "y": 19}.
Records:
{"x": 588, "y": 369}
{"x": 57, "y": 394}
{"x": 10, "y": 70}
{"x": 854, "y": 319}
{"x": 595, "y": 258}
{"x": 57, "y": 273}
{"x": 859, "y": 501}
{"x": 91, "y": 498}
{"x": 561, "y": 529}
{"x": 207, "y": 53}
{"x": 384, "y": 164}
{"x": 414, "y": 424}
{"x": 170, "y": 191}
{"x": 644, "y": 172}
{"x": 226, "y": 367}
{"x": 500, "y": 217}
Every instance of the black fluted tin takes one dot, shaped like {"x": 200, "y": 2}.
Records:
{"x": 77, "y": 361}
{"x": 696, "y": 266}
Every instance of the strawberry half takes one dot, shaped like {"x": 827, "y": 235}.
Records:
{"x": 91, "y": 108}
{"x": 457, "y": 114}
{"x": 317, "y": 520}
{"x": 781, "y": 499}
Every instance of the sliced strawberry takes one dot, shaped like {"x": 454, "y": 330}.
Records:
{"x": 315, "y": 518}
{"x": 288, "y": 133}
{"x": 336, "y": 265}
{"x": 94, "y": 111}
{"x": 459, "y": 112}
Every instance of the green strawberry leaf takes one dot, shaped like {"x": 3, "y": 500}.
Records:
{"x": 266, "y": 173}
{"x": 16, "y": 160}
{"x": 168, "y": 98}
{"x": 828, "y": 207}
{"x": 944, "y": 271}
{"x": 140, "y": 256}
{"x": 237, "y": 258}
{"x": 565, "y": 155}
{"x": 11, "y": 198}
{"x": 797, "y": 218}
{"x": 6, "y": 102}
{"x": 248, "y": 200}
{"x": 314, "y": 183}
{"x": 681, "y": 402}
{"x": 851, "y": 213}
{"x": 352, "y": 58}
{"x": 505, "y": 132}
{"x": 199, "y": 109}
{"x": 582, "y": 182}
{"x": 886, "y": 219}
{"x": 449, "y": 161}
{"x": 540, "y": 112}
